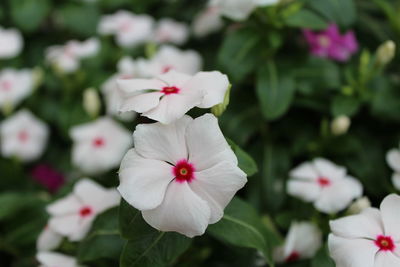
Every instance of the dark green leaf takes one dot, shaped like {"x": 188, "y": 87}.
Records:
{"x": 306, "y": 19}
{"x": 345, "y": 105}
{"x": 343, "y": 12}
{"x": 80, "y": 19}
{"x": 29, "y": 14}
{"x": 322, "y": 259}
{"x": 246, "y": 163}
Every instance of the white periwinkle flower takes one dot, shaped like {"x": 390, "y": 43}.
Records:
{"x": 234, "y": 9}
{"x": 48, "y": 239}
{"x": 23, "y": 136}
{"x": 129, "y": 29}
{"x": 266, "y": 2}
{"x": 73, "y": 215}
{"x": 325, "y": 184}
{"x": 15, "y": 86}
{"x": 171, "y": 31}
{"x": 181, "y": 175}
{"x": 169, "y": 96}
{"x": 66, "y": 58}
{"x": 303, "y": 240}
{"x": 368, "y": 239}
{"x": 207, "y": 21}
{"x": 99, "y": 145}
{"x": 11, "y": 43}
{"x": 51, "y": 259}
{"x": 393, "y": 159}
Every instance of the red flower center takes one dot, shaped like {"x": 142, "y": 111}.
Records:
{"x": 98, "y": 142}
{"x": 167, "y": 68}
{"x": 85, "y": 211}
{"x": 385, "y": 243}
{"x": 23, "y": 136}
{"x": 294, "y": 256}
{"x": 170, "y": 90}
{"x": 183, "y": 171}
{"x": 324, "y": 182}
{"x": 5, "y": 85}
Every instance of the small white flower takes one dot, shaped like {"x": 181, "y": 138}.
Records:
{"x": 325, "y": 184}
{"x": 99, "y": 145}
{"x": 15, "y": 85}
{"x": 181, "y": 175}
{"x": 368, "y": 239}
{"x": 48, "y": 239}
{"x": 170, "y": 58}
{"x": 51, "y": 259}
{"x": 207, "y": 21}
{"x": 169, "y": 96}
{"x": 23, "y": 136}
{"x": 393, "y": 159}
{"x": 359, "y": 205}
{"x": 171, "y": 31}
{"x": 235, "y": 9}
{"x": 130, "y": 29}
{"x": 303, "y": 240}
{"x": 73, "y": 215}
{"x": 11, "y": 43}
{"x": 66, "y": 58}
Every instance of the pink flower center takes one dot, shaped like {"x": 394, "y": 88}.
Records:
{"x": 23, "y": 136}
{"x": 324, "y": 182}
{"x": 98, "y": 142}
{"x": 167, "y": 68}
{"x": 85, "y": 211}
{"x": 5, "y": 85}
{"x": 170, "y": 90}
{"x": 324, "y": 41}
{"x": 385, "y": 243}
{"x": 183, "y": 171}
{"x": 125, "y": 26}
{"x": 294, "y": 256}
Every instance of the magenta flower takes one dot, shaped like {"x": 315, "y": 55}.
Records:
{"x": 50, "y": 178}
{"x": 331, "y": 44}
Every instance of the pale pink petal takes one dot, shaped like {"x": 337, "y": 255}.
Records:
{"x": 386, "y": 259}
{"x": 390, "y": 209}
{"x": 393, "y": 159}
{"x": 304, "y": 171}
{"x": 307, "y": 191}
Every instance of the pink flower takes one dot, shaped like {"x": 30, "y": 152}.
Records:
{"x": 331, "y": 44}
{"x": 48, "y": 177}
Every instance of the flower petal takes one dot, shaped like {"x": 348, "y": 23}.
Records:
{"x": 396, "y": 180}
{"x": 129, "y": 86}
{"x": 386, "y": 259}
{"x": 181, "y": 211}
{"x": 55, "y": 259}
{"x": 217, "y": 185}
{"x": 140, "y": 102}
{"x": 143, "y": 182}
{"x": 67, "y": 205}
{"x": 174, "y": 78}
{"x": 390, "y": 207}
{"x": 307, "y": 191}
{"x": 84, "y": 227}
{"x": 48, "y": 240}
{"x": 65, "y": 225}
{"x": 393, "y": 159}
{"x": 305, "y": 238}
{"x": 328, "y": 169}
{"x": 304, "y": 171}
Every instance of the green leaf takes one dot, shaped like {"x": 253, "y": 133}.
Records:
{"x": 80, "y": 19}
{"x": 343, "y": 12}
{"x": 275, "y": 93}
{"x": 12, "y": 203}
{"x": 29, "y": 14}
{"x": 245, "y": 161}
{"x": 241, "y": 226}
{"x": 345, "y": 105}
{"x": 322, "y": 259}
{"x": 306, "y": 19}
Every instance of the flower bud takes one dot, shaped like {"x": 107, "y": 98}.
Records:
{"x": 385, "y": 52}
{"x": 219, "y": 109}
{"x": 359, "y": 205}
{"x": 340, "y": 125}
{"x": 91, "y": 102}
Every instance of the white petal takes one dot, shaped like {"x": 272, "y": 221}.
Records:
{"x": 396, "y": 180}
{"x": 67, "y": 205}
{"x": 386, "y": 259}
{"x": 48, "y": 240}
{"x": 174, "y": 78}
{"x": 162, "y": 142}
{"x": 304, "y": 238}
{"x": 140, "y": 102}
{"x": 181, "y": 211}
{"x": 206, "y": 143}
{"x": 367, "y": 224}
{"x": 304, "y": 171}
{"x": 390, "y": 208}
{"x": 50, "y": 259}
{"x": 307, "y": 191}
{"x": 328, "y": 169}
{"x": 143, "y": 182}
{"x": 393, "y": 159}
{"x": 352, "y": 252}
{"x": 217, "y": 185}
{"x": 65, "y": 225}
{"x": 129, "y": 86}
{"x": 84, "y": 227}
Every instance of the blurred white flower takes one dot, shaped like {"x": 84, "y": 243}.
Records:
{"x": 51, "y": 259}
{"x": 393, "y": 159}
{"x": 325, "y": 184}
{"x": 11, "y": 43}
{"x": 48, "y": 239}
{"x": 129, "y": 29}
{"x": 359, "y": 205}
{"x": 23, "y": 136}
{"x": 368, "y": 239}
{"x": 170, "y": 58}
{"x": 181, "y": 175}
{"x": 266, "y": 2}
{"x": 303, "y": 240}
{"x": 99, "y": 145}
{"x": 73, "y": 215}
{"x": 207, "y": 21}
{"x": 66, "y": 58}
{"x": 15, "y": 85}
{"x": 171, "y": 31}
{"x": 169, "y": 96}
{"x": 385, "y": 52}
{"x": 234, "y": 9}
{"x": 91, "y": 102}
{"x": 340, "y": 125}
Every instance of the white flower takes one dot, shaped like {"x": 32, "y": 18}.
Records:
{"x": 170, "y": 58}
{"x": 340, "y": 125}
{"x": 48, "y": 239}
{"x": 11, "y": 43}
{"x": 207, "y": 21}
{"x": 393, "y": 159}
{"x": 181, "y": 175}
{"x": 23, "y": 136}
{"x": 235, "y": 9}
{"x": 15, "y": 85}
{"x": 303, "y": 240}
{"x": 169, "y": 96}
{"x": 66, "y": 58}
{"x": 325, "y": 184}
{"x": 73, "y": 215}
{"x": 99, "y": 145}
{"x": 130, "y": 29}
{"x": 369, "y": 239}
{"x": 170, "y": 31}
{"x": 51, "y": 259}
{"x": 359, "y": 205}
{"x": 266, "y": 2}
